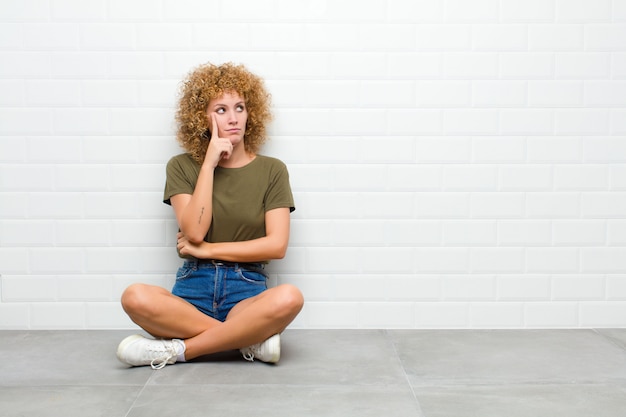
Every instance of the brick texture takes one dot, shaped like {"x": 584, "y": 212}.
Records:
{"x": 456, "y": 164}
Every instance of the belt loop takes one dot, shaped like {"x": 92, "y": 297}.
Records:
{"x": 191, "y": 263}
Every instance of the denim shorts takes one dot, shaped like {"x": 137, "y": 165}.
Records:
{"x": 215, "y": 287}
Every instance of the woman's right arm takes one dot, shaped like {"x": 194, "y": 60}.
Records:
{"x": 194, "y": 212}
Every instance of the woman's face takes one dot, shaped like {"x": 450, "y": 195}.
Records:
{"x": 230, "y": 114}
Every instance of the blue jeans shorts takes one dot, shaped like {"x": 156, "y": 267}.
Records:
{"x": 215, "y": 287}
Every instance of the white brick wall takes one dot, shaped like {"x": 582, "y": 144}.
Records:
{"x": 456, "y": 164}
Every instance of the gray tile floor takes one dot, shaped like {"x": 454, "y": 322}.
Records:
{"x": 340, "y": 373}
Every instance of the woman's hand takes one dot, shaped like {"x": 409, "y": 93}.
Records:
{"x": 187, "y": 248}
{"x": 219, "y": 148}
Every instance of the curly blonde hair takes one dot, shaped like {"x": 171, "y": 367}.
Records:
{"x": 207, "y": 82}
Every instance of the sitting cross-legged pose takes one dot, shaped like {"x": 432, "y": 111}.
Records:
{"x": 233, "y": 210}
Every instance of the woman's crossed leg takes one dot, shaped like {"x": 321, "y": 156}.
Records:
{"x": 184, "y": 333}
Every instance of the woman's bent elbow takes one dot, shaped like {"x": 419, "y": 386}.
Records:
{"x": 195, "y": 238}
{"x": 280, "y": 252}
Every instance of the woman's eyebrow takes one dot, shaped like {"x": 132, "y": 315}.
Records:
{"x": 226, "y": 105}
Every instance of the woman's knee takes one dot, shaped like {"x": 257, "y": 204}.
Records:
{"x": 136, "y": 298}
{"x": 291, "y": 299}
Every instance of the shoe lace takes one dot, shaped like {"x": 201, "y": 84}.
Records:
{"x": 162, "y": 356}
{"x": 248, "y": 353}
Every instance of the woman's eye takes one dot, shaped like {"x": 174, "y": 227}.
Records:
{"x": 240, "y": 108}
{"x": 220, "y": 111}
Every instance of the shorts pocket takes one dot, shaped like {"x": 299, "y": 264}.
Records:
{"x": 184, "y": 272}
{"x": 252, "y": 277}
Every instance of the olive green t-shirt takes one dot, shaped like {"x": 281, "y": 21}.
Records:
{"x": 241, "y": 196}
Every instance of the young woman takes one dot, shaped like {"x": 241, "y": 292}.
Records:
{"x": 233, "y": 210}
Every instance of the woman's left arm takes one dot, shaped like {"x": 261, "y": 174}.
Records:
{"x": 272, "y": 246}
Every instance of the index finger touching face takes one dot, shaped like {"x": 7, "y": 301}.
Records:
{"x": 213, "y": 127}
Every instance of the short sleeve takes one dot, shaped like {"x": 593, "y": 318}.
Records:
{"x": 179, "y": 177}
{"x": 279, "y": 190}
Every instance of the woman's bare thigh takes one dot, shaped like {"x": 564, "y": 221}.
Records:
{"x": 165, "y": 315}
{"x": 268, "y": 301}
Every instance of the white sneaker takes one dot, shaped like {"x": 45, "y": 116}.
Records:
{"x": 268, "y": 351}
{"x": 137, "y": 350}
